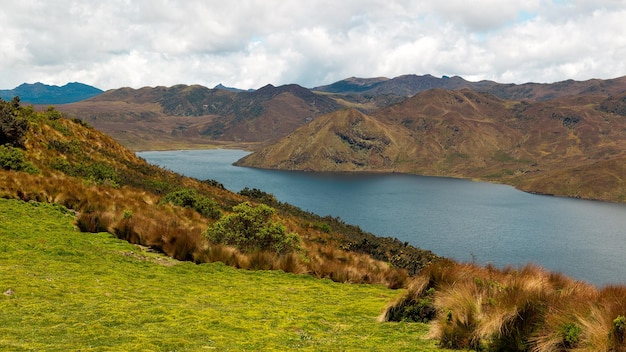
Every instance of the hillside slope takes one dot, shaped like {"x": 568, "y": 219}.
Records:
{"x": 194, "y": 116}
{"x": 64, "y": 290}
{"x": 57, "y": 160}
{"x": 570, "y": 146}
{"x": 346, "y": 140}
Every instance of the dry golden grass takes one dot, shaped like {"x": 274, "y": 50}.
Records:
{"x": 514, "y": 309}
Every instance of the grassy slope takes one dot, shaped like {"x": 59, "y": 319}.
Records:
{"x": 69, "y": 290}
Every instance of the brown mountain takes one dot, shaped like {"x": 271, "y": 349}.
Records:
{"x": 170, "y": 117}
{"x": 345, "y": 140}
{"x": 409, "y": 85}
{"x": 569, "y": 146}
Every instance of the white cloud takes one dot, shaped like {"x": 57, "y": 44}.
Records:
{"x": 250, "y": 43}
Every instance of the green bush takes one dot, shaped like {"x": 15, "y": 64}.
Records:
{"x": 258, "y": 195}
{"x": 190, "y": 198}
{"x": 571, "y": 335}
{"x": 214, "y": 183}
{"x": 322, "y": 226}
{"x": 250, "y": 229}
{"x": 98, "y": 172}
{"x": 618, "y": 331}
{"x": 12, "y": 158}
{"x": 12, "y": 127}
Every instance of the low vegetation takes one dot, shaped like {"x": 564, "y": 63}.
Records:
{"x": 514, "y": 309}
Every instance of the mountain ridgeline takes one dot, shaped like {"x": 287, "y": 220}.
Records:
{"x": 39, "y": 93}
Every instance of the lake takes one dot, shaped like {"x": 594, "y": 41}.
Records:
{"x": 459, "y": 219}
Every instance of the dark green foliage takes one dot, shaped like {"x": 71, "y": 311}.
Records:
{"x": 190, "y": 198}
{"x": 251, "y": 229}
{"x": 12, "y": 127}
{"x": 571, "y": 335}
{"x": 214, "y": 183}
{"x": 259, "y": 195}
{"x": 618, "y": 331}
{"x": 53, "y": 114}
{"x": 70, "y": 147}
{"x": 12, "y": 158}
{"x": 419, "y": 310}
{"x": 614, "y": 104}
{"x": 322, "y": 226}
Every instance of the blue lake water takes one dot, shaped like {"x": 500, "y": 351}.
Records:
{"x": 460, "y": 219}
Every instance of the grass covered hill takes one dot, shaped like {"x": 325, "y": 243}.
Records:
{"x": 409, "y": 85}
{"x": 193, "y": 116}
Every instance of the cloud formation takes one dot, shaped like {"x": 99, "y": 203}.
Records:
{"x": 250, "y": 43}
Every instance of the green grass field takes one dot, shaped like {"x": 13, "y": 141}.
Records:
{"x": 63, "y": 290}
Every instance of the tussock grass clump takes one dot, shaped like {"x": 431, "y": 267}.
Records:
{"x": 513, "y": 309}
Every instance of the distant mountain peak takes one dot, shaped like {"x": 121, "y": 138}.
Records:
{"x": 230, "y": 89}
{"x": 40, "y": 93}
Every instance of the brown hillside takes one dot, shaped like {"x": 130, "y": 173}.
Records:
{"x": 346, "y": 140}
{"x": 179, "y": 116}
{"x": 566, "y": 146}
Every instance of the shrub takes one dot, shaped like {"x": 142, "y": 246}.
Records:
{"x": 94, "y": 221}
{"x": 258, "y": 195}
{"x": 214, "y": 183}
{"x": 12, "y": 127}
{"x": 250, "y": 229}
{"x": 12, "y": 158}
{"x": 322, "y": 226}
{"x": 618, "y": 331}
{"x": 190, "y": 198}
{"x": 415, "y": 305}
{"x": 570, "y": 333}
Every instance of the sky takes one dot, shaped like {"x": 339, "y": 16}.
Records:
{"x": 250, "y": 43}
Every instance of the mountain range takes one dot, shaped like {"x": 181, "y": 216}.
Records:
{"x": 39, "y": 93}
{"x": 409, "y": 85}
{"x": 565, "y": 138}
